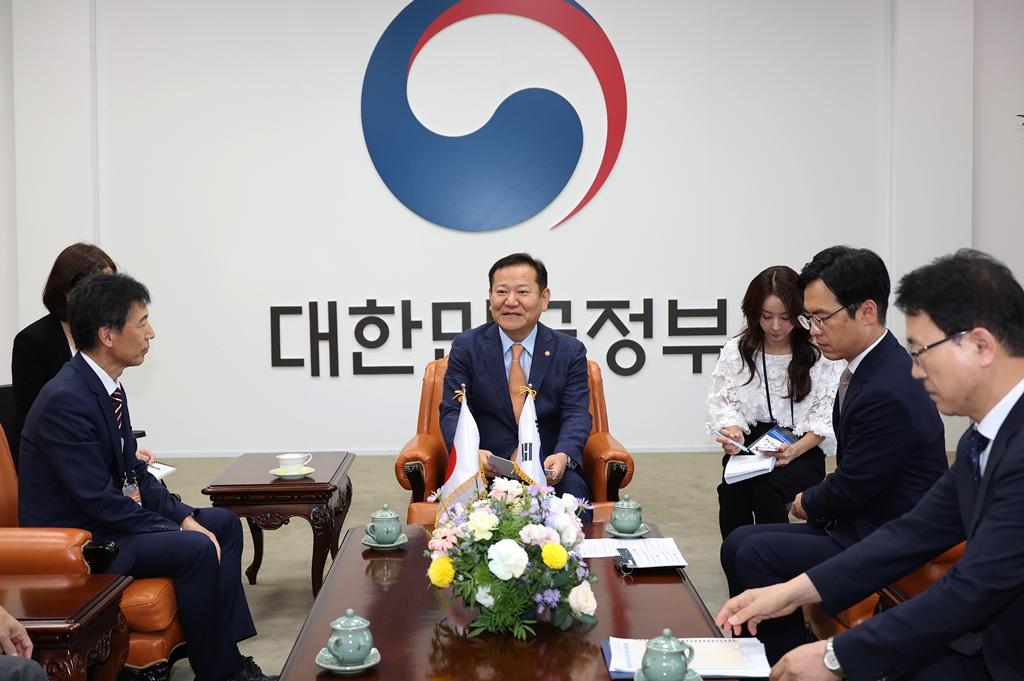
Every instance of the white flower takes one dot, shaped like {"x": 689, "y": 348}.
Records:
{"x": 507, "y": 559}
{"x": 566, "y": 529}
{"x": 481, "y": 523}
{"x": 555, "y": 506}
{"x": 572, "y": 504}
{"x": 512, "y": 488}
{"x": 538, "y": 535}
{"x": 484, "y": 596}
{"x": 582, "y": 601}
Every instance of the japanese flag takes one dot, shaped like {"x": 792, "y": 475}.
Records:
{"x": 464, "y": 480}
{"x": 529, "y": 457}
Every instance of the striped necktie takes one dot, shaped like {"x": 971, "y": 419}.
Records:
{"x": 117, "y": 398}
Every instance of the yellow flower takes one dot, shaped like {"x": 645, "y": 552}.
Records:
{"x": 441, "y": 572}
{"x": 554, "y": 556}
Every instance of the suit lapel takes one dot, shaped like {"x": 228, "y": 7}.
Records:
{"x": 494, "y": 359}
{"x": 539, "y": 367}
{"x": 1008, "y": 432}
{"x": 103, "y": 402}
{"x": 867, "y": 368}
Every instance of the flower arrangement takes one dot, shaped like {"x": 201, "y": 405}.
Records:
{"x": 510, "y": 550}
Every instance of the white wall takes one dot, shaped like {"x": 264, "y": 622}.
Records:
{"x": 230, "y": 174}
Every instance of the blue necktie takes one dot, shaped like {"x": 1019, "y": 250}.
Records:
{"x": 976, "y": 443}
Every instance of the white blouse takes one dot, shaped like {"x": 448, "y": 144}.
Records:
{"x": 734, "y": 402}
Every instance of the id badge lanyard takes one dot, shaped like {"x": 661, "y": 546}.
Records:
{"x": 768, "y": 395}
{"x": 129, "y": 488}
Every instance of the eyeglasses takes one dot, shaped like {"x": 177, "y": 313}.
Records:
{"x": 807, "y": 321}
{"x": 915, "y": 354}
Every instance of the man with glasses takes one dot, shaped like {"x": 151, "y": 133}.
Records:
{"x": 965, "y": 327}
{"x": 891, "y": 444}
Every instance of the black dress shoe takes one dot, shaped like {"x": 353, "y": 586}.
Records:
{"x": 250, "y": 671}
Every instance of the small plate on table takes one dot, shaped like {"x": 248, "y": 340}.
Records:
{"x": 292, "y": 475}
{"x": 398, "y": 543}
{"x": 326, "y": 660}
{"x": 640, "y": 532}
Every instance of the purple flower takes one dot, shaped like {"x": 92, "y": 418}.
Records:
{"x": 582, "y": 572}
{"x": 550, "y": 597}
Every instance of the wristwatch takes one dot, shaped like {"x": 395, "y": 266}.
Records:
{"x": 831, "y": 661}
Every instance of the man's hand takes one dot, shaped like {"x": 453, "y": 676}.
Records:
{"x": 490, "y": 470}
{"x": 146, "y": 455}
{"x": 797, "y": 507}
{"x": 734, "y": 434}
{"x": 14, "y": 639}
{"x": 556, "y": 464}
{"x": 192, "y": 525}
{"x": 755, "y": 605}
{"x": 805, "y": 663}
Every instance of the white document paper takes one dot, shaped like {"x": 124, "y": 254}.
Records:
{"x": 712, "y": 657}
{"x": 160, "y": 470}
{"x": 655, "y": 552}
{"x": 746, "y": 466}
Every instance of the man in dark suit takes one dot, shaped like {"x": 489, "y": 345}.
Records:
{"x": 891, "y": 444}
{"x": 517, "y": 344}
{"x": 965, "y": 327}
{"x": 79, "y": 469}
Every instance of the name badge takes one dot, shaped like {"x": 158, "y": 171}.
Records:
{"x": 132, "y": 491}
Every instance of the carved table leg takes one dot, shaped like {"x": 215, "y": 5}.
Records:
{"x": 62, "y": 665}
{"x": 340, "y": 513}
{"x": 257, "y": 552}
{"x": 322, "y": 520}
{"x": 111, "y": 651}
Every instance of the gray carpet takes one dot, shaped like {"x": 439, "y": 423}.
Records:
{"x": 677, "y": 491}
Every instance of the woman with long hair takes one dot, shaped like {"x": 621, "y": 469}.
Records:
{"x": 769, "y": 375}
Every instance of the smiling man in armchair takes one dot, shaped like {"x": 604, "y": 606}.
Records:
{"x": 496, "y": 360}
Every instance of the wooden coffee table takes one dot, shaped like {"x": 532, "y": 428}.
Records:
{"x": 416, "y": 640}
{"x": 74, "y": 622}
{"x": 247, "y": 488}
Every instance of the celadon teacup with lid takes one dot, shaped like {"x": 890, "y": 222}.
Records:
{"x": 351, "y": 640}
{"x": 667, "y": 659}
{"x": 627, "y": 516}
{"x": 385, "y": 527}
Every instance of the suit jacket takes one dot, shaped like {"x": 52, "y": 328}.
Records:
{"x": 891, "y": 448}
{"x": 983, "y": 592}
{"x": 73, "y": 465}
{"x": 560, "y": 379}
{"x": 40, "y": 350}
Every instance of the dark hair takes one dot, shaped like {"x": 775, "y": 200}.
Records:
{"x": 964, "y": 291}
{"x": 778, "y": 281}
{"x": 72, "y": 265}
{"x": 853, "y": 275}
{"x": 515, "y": 260}
{"x": 102, "y": 300}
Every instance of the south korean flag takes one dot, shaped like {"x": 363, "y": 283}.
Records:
{"x": 529, "y": 457}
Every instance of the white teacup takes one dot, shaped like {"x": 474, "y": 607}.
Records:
{"x": 293, "y": 463}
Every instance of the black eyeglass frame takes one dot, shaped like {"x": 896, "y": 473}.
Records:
{"x": 915, "y": 354}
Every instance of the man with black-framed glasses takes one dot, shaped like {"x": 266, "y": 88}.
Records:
{"x": 891, "y": 443}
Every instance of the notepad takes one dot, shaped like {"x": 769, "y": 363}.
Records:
{"x": 712, "y": 657}
{"x": 160, "y": 470}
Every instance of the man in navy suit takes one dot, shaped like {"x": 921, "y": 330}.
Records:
{"x": 554, "y": 364}
{"x": 78, "y": 469}
{"x": 891, "y": 441}
{"x": 965, "y": 331}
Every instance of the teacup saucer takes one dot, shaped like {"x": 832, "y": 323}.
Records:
{"x": 292, "y": 475}
{"x": 368, "y": 541}
{"x": 326, "y": 660}
{"x": 641, "y": 531}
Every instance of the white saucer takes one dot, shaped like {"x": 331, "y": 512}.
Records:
{"x": 368, "y": 541}
{"x": 324, "y": 659}
{"x": 641, "y": 531}
{"x": 303, "y": 472}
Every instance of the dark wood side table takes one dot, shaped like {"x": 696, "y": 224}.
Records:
{"x": 247, "y": 488}
{"x": 74, "y": 621}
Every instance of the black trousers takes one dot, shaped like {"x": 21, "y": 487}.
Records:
{"x": 763, "y": 499}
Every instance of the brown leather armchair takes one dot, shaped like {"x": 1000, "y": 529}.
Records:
{"x": 156, "y": 640}
{"x": 824, "y": 625}
{"x": 423, "y": 461}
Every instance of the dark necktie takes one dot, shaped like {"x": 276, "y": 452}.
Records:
{"x": 976, "y": 443}
{"x": 116, "y": 398}
{"x": 516, "y": 382}
{"x": 844, "y": 385}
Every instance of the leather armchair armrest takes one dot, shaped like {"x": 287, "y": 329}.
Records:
{"x": 43, "y": 551}
{"x": 424, "y": 456}
{"x": 601, "y": 455}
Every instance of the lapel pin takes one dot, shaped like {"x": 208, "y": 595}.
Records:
{"x": 547, "y": 353}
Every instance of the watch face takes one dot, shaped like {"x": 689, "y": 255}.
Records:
{"x": 831, "y": 661}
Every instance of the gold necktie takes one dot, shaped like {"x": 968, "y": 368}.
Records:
{"x": 844, "y": 384}
{"x": 516, "y": 381}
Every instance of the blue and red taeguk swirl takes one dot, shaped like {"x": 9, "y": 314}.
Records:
{"x": 521, "y": 159}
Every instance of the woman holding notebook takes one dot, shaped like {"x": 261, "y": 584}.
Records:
{"x": 771, "y": 377}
